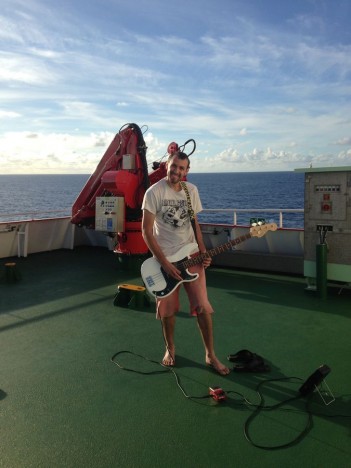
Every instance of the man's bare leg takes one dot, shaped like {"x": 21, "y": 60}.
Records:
{"x": 168, "y": 325}
{"x": 206, "y": 329}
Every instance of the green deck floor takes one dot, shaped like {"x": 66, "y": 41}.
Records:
{"x": 65, "y": 404}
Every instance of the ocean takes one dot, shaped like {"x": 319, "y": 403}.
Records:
{"x": 255, "y": 190}
{"x": 252, "y": 190}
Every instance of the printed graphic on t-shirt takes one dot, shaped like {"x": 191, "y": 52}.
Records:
{"x": 175, "y": 212}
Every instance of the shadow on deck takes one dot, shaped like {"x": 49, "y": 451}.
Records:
{"x": 64, "y": 403}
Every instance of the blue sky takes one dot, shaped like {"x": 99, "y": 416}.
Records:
{"x": 260, "y": 85}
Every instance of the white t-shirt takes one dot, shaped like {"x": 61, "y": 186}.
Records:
{"x": 172, "y": 226}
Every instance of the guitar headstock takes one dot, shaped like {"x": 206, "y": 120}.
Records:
{"x": 259, "y": 230}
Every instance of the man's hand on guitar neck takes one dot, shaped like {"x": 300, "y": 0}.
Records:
{"x": 206, "y": 260}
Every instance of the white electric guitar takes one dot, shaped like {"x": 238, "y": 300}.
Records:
{"x": 161, "y": 285}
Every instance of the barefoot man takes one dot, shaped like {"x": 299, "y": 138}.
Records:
{"x": 166, "y": 229}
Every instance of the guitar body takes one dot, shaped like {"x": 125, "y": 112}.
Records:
{"x": 156, "y": 280}
{"x": 161, "y": 285}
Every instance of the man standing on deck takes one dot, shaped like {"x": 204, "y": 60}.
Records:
{"x": 166, "y": 228}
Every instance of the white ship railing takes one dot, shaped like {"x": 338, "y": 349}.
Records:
{"x": 34, "y": 215}
{"x": 31, "y": 232}
{"x": 235, "y": 211}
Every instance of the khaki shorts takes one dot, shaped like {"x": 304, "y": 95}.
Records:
{"x": 197, "y": 294}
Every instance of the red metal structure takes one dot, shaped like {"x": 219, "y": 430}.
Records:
{"x": 122, "y": 172}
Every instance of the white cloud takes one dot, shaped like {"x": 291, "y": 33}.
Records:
{"x": 48, "y": 54}
{"x": 22, "y": 69}
{"x": 53, "y": 152}
{"x": 344, "y": 141}
{"x": 8, "y": 114}
{"x": 236, "y": 83}
{"x": 345, "y": 156}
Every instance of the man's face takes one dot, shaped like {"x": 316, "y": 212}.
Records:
{"x": 177, "y": 169}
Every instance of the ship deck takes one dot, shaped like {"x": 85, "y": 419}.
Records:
{"x": 64, "y": 403}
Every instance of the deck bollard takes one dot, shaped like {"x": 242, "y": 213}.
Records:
{"x": 12, "y": 275}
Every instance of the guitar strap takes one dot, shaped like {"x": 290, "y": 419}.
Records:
{"x": 190, "y": 208}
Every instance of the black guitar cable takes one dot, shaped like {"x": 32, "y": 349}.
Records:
{"x": 258, "y": 408}
{"x": 165, "y": 368}
{"x": 262, "y": 407}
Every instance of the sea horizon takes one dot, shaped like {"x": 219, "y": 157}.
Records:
{"x": 28, "y": 193}
{"x": 191, "y": 172}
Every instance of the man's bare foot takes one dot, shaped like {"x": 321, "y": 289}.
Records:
{"x": 169, "y": 358}
{"x": 217, "y": 365}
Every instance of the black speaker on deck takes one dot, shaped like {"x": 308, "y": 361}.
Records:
{"x": 314, "y": 380}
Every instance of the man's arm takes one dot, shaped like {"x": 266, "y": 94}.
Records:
{"x": 149, "y": 238}
{"x": 207, "y": 261}
{"x": 199, "y": 238}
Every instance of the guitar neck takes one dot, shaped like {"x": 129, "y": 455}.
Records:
{"x": 215, "y": 251}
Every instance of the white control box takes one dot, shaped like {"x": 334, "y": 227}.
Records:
{"x": 109, "y": 214}
{"x": 328, "y": 220}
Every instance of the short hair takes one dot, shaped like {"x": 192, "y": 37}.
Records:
{"x": 180, "y": 155}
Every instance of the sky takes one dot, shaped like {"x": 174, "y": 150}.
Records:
{"x": 260, "y": 85}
